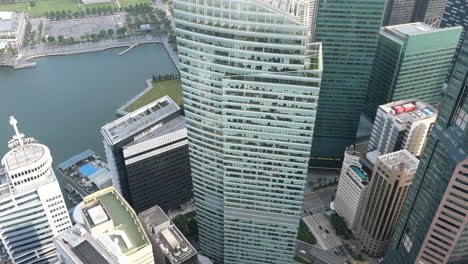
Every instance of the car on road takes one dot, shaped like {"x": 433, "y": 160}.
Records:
{"x": 302, "y": 251}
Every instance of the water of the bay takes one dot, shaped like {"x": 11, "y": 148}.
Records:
{"x": 65, "y": 100}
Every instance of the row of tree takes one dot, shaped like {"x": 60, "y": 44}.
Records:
{"x": 86, "y": 37}
{"x": 56, "y": 15}
{"x": 102, "y": 10}
{"x": 164, "y": 77}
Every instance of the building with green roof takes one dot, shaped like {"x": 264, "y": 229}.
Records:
{"x": 109, "y": 217}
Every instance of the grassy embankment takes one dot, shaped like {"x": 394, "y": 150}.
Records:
{"x": 172, "y": 88}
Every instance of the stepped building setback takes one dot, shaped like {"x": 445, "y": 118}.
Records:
{"x": 32, "y": 208}
{"x": 251, "y": 80}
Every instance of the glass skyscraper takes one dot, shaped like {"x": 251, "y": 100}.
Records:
{"x": 411, "y": 62}
{"x": 348, "y": 30}
{"x": 251, "y": 79}
{"x": 421, "y": 235}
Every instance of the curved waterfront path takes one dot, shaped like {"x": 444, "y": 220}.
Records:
{"x": 43, "y": 50}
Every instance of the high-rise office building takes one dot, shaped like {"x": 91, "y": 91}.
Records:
{"x": 348, "y": 31}
{"x": 400, "y": 125}
{"x": 110, "y": 220}
{"x": 147, "y": 153}
{"x": 446, "y": 240}
{"x": 445, "y": 151}
{"x": 169, "y": 244}
{"x": 251, "y": 82}
{"x": 352, "y": 189}
{"x": 32, "y": 209}
{"x": 456, "y": 14}
{"x": 399, "y": 12}
{"x": 429, "y": 11}
{"x": 409, "y": 11}
{"x": 392, "y": 176}
{"x": 412, "y": 62}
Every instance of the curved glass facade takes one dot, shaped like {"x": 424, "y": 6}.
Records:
{"x": 251, "y": 84}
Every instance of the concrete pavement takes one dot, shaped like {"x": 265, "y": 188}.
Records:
{"x": 312, "y": 252}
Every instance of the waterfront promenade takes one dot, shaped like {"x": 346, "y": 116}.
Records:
{"x": 24, "y": 57}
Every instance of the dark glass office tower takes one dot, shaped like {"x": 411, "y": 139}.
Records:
{"x": 428, "y": 204}
{"x": 456, "y": 14}
{"x": 148, "y": 156}
{"x": 411, "y": 62}
{"x": 348, "y": 31}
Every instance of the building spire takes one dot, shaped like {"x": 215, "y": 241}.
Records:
{"x": 18, "y": 136}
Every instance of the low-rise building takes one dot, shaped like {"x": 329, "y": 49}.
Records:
{"x": 169, "y": 244}
{"x": 12, "y": 25}
{"x": 400, "y": 125}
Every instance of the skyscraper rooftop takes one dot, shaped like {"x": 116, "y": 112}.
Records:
{"x": 105, "y": 211}
{"x": 409, "y": 110}
{"x": 166, "y": 236}
{"x": 410, "y": 29}
{"x": 401, "y": 160}
{"x": 82, "y": 248}
{"x": 139, "y": 120}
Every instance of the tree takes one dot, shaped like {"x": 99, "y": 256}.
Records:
{"x": 60, "y": 38}
{"x": 182, "y": 223}
{"x": 110, "y": 32}
{"x": 50, "y": 39}
{"x": 340, "y": 226}
{"x": 102, "y": 33}
{"x": 121, "y": 30}
{"x": 32, "y": 4}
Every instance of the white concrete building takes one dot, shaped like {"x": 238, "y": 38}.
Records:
{"x": 402, "y": 125}
{"x": 352, "y": 189}
{"x": 12, "y": 25}
{"x": 32, "y": 208}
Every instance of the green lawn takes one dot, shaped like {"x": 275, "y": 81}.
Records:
{"x": 43, "y": 6}
{"x": 133, "y": 2}
{"x": 172, "y": 88}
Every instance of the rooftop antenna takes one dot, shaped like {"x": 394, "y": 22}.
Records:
{"x": 18, "y": 135}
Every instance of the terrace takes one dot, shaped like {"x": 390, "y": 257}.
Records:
{"x": 88, "y": 170}
{"x": 124, "y": 228}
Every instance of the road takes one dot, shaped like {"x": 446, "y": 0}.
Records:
{"x": 318, "y": 201}
{"x": 312, "y": 253}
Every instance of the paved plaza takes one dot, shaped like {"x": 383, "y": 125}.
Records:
{"x": 80, "y": 26}
{"x": 318, "y": 201}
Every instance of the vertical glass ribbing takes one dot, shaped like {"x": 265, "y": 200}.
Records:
{"x": 251, "y": 83}
{"x": 447, "y": 147}
{"x": 348, "y": 30}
